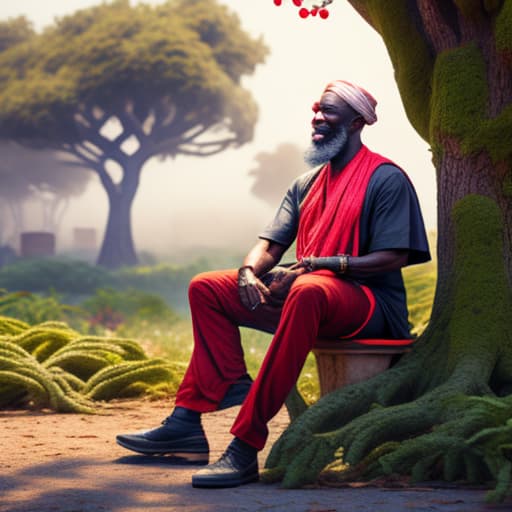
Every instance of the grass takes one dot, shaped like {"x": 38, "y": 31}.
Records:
{"x": 174, "y": 340}
{"x": 164, "y": 334}
{"x": 420, "y": 284}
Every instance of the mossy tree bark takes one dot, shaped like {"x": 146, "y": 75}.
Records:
{"x": 442, "y": 411}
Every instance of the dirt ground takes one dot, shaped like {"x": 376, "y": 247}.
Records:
{"x": 71, "y": 463}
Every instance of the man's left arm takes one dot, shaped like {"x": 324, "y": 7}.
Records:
{"x": 357, "y": 266}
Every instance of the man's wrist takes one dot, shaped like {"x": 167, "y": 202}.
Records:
{"x": 337, "y": 264}
{"x": 344, "y": 263}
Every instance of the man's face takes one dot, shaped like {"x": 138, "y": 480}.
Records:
{"x": 330, "y": 123}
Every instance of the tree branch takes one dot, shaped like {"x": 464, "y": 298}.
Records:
{"x": 441, "y": 34}
{"x": 80, "y": 152}
{"x": 131, "y": 124}
{"x": 96, "y": 166}
{"x": 200, "y": 129}
{"x": 87, "y": 113}
{"x": 413, "y": 62}
{"x": 362, "y": 9}
{"x": 206, "y": 152}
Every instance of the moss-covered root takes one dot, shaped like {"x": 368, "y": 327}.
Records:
{"x": 366, "y": 432}
{"x": 470, "y": 441}
{"x": 493, "y": 444}
{"x": 44, "y": 339}
{"x": 338, "y": 408}
{"x": 295, "y": 404}
{"x": 11, "y": 326}
{"x": 24, "y": 380}
{"x": 130, "y": 378}
{"x": 331, "y": 412}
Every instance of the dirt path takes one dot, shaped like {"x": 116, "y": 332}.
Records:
{"x": 71, "y": 463}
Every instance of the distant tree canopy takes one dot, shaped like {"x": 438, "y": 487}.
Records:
{"x": 275, "y": 172}
{"x": 28, "y": 174}
{"x": 15, "y": 31}
{"x": 115, "y": 85}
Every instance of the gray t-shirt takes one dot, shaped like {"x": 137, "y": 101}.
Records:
{"x": 391, "y": 219}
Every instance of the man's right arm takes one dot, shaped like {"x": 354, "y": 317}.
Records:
{"x": 273, "y": 243}
{"x": 265, "y": 255}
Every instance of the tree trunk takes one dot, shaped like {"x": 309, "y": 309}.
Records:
{"x": 444, "y": 410}
{"x": 422, "y": 423}
{"x": 118, "y": 249}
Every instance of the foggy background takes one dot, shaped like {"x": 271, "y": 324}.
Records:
{"x": 196, "y": 203}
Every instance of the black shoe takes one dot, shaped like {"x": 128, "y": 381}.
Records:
{"x": 236, "y": 393}
{"x": 228, "y": 471}
{"x": 175, "y": 437}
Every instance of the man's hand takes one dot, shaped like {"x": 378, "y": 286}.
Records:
{"x": 307, "y": 264}
{"x": 251, "y": 290}
{"x": 279, "y": 282}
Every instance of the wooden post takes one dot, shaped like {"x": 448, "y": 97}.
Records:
{"x": 34, "y": 244}
{"x": 84, "y": 239}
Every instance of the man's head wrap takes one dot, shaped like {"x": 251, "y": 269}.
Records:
{"x": 357, "y": 97}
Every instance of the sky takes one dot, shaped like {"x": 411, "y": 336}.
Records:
{"x": 197, "y": 202}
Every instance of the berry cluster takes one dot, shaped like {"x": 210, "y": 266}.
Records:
{"x": 315, "y": 9}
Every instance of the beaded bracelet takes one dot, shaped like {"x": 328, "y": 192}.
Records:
{"x": 343, "y": 264}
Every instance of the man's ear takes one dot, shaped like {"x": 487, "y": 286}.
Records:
{"x": 357, "y": 124}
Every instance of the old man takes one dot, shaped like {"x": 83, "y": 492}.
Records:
{"x": 356, "y": 222}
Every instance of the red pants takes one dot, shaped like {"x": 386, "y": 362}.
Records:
{"x": 318, "y": 304}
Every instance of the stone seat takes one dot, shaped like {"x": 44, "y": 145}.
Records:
{"x": 343, "y": 362}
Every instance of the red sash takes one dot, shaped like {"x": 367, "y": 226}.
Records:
{"x": 330, "y": 216}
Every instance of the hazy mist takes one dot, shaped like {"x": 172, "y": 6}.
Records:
{"x": 201, "y": 202}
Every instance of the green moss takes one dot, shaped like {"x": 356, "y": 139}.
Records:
{"x": 482, "y": 296}
{"x": 503, "y": 29}
{"x": 459, "y": 105}
{"x": 506, "y": 186}
{"x": 413, "y": 62}
{"x": 10, "y": 325}
{"x": 459, "y": 91}
{"x": 47, "y": 365}
{"x": 470, "y": 9}
{"x": 492, "y": 136}
{"x": 491, "y": 6}
{"x": 150, "y": 372}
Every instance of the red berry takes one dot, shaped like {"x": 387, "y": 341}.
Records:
{"x": 278, "y": 2}
{"x": 298, "y": 3}
{"x": 314, "y": 11}
{"x": 323, "y": 13}
{"x": 303, "y": 13}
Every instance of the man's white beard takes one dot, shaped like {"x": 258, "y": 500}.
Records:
{"x": 320, "y": 153}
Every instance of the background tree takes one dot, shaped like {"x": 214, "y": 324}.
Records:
{"x": 275, "y": 172}
{"x": 116, "y": 85}
{"x": 15, "y": 31}
{"x": 444, "y": 410}
{"x": 36, "y": 176}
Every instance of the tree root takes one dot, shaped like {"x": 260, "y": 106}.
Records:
{"x": 50, "y": 365}
{"x": 441, "y": 434}
{"x": 336, "y": 409}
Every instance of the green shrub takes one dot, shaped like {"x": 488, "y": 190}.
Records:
{"x": 62, "y": 276}
{"x": 74, "y": 280}
{"x": 33, "y": 308}
{"x": 166, "y": 280}
{"x": 124, "y": 301}
{"x": 111, "y": 308}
